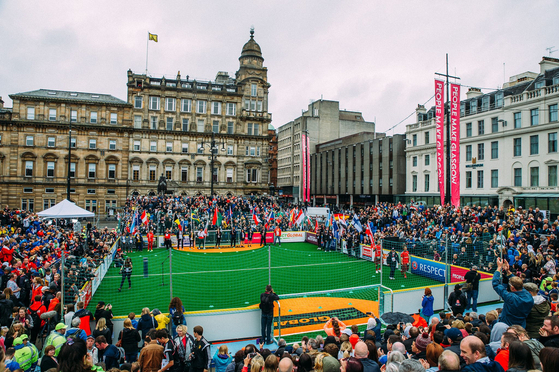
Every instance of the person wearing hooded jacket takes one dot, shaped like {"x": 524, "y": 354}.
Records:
{"x": 427, "y": 305}
{"x": 146, "y": 322}
{"x": 76, "y": 330}
{"x": 6, "y": 308}
{"x": 221, "y": 359}
{"x": 457, "y": 300}
{"x": 538, "y": 313}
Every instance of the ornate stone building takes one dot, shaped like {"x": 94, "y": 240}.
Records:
{"x": 166, "y": 126}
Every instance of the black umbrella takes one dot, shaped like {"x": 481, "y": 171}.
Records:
{"x": 396, "y": 317}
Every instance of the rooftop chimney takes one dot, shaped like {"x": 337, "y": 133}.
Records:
{"x": 548, "y": 63}
{"x": 473, "y": 92}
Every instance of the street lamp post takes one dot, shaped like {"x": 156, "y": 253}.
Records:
{"x": 69, "y": 160}
{"x": 213, "y": 153}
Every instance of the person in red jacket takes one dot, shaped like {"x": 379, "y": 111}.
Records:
{"x": 150, "y": 237}
{"x": 503, "y": 353}
{"x": 405, "y": 257}
{"x": 35, "y": 310}
{"x": 85, "y": 315}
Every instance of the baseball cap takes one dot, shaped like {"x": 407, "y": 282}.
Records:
{"x": 18, "y": 341}
{"x": 453, "y": 333}
{"x": 24, "y": 337}
{"x": 60, "y": 326}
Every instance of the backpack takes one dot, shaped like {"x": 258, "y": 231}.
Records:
{"x": 36, "y": 318}
{"x": 122, "y": 354}
{"x": 265, "y": 302}
{"x": 74, "y": 336}
{"x": 177, "y": 317}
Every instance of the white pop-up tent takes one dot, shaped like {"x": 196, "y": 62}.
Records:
{"x": 66, "y": 209}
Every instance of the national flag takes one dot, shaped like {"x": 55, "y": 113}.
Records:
{"x": 229, "y": 216}
{"x": 300, "y": 218}
{"x": 133, "y": 227}
{"x": 217, "y": 218}
{"x": 357, "y": 223}
{"x": 178, "y": 222}
{"x": 336, "y": 230}
{"x": 194, "y": 217}
{"x": 369, "y": 232}
{"x": 255, "y": 218}
{"x": 316, "y": 225}
{"x": 327, "y": 224}
{"x": 153, "y": 37}
{"x": 270, "y": 217}
{"x": 144, "y": 218}
{"x": 206, "y": 229}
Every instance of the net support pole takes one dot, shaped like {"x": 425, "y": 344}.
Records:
{"x": 62, "y": 263}
{"x": 381, "y": 259}
{"x": 171, "y": 272}
{"x": 447, "y": 273}
{"x": 269, "y": 266}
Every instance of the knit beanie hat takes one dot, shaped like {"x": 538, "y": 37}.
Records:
{"x": 422, "y": 341}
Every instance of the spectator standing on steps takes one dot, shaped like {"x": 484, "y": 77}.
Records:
{"x": 267, "y": 306}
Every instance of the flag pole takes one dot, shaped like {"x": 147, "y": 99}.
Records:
{"x": 147, "y": 48}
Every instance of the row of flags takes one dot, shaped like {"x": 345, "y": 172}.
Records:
{"x": 336, "y": 221}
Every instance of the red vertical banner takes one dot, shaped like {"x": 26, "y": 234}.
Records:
{"x": 303, "y": 182}
{"x": 439, "y": 115}
{"x": 308, "y": 169}
{"x": 455, "y": 144}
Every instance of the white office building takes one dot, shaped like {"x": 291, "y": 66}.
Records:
{"x": 508, "y": 145}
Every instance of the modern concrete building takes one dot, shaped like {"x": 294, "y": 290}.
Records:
{"x": 508, "y": 144}
{"x": 121, "y": 147}
{"x": 323, "y": 121}
{"x": 360, "y": 169}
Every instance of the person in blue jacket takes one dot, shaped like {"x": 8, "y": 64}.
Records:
{"x": 427, "y": 305}
{"x": 518, "y": 302}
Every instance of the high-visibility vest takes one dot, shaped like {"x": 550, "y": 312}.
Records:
{"x": 57, "y": 340}
{"x": 24, "y": 356}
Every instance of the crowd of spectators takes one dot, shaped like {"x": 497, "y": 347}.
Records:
{"x": 517, "y": 245}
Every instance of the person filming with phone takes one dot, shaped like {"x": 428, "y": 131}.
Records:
{"x": 267, "y": 306}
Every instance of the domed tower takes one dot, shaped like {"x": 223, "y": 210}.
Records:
{"x": 252, "y": 77}
{"x": 254, "y": 118}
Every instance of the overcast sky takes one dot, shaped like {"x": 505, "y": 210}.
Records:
{"x": 377, "y": 57}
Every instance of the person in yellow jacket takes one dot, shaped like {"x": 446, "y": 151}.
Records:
{"x": 56, "y": 338}
{"x": 23, "y": 355}
{"x": 162, "y": 320}
{"x": 34, "y": 350}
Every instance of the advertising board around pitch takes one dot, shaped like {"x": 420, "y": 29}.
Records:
{"x": 428, "y": 268}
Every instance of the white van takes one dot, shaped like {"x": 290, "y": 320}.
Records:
{"x": 318, "y": 211}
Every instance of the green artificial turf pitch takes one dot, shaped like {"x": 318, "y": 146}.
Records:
{"x": 214, "y": 281}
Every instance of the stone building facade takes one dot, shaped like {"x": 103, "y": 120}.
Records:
{"x": 323, "y": 121}
{"x": 121, "y": 147}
